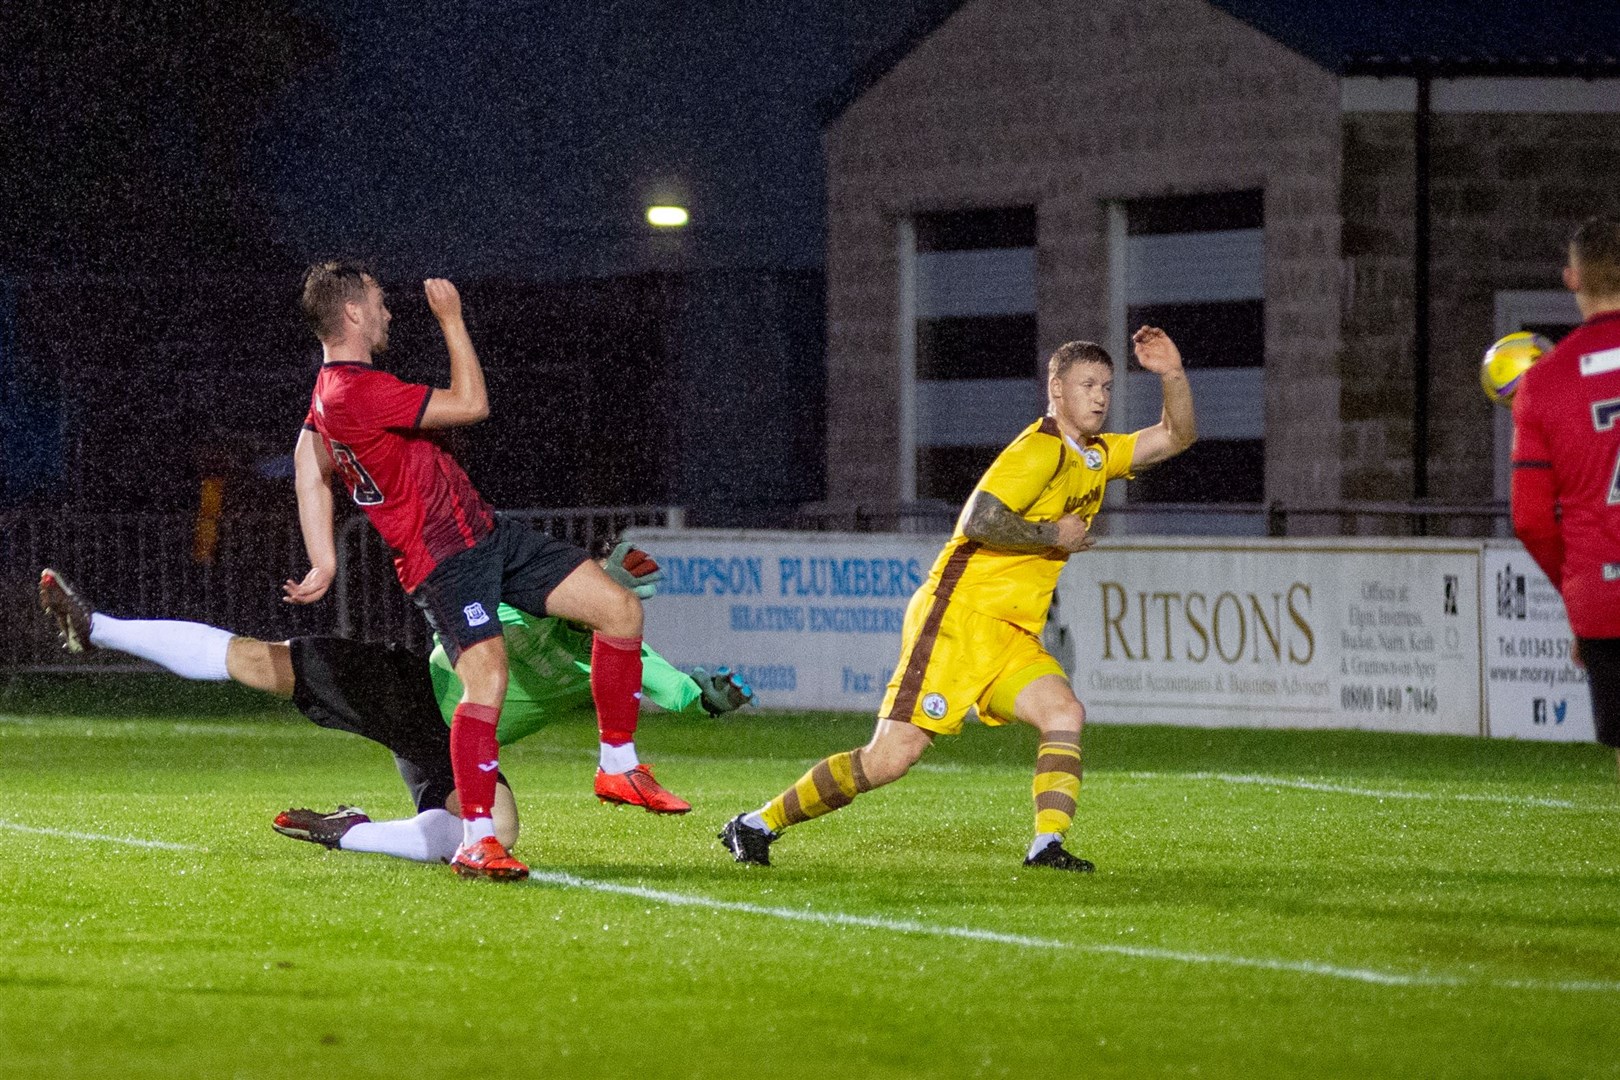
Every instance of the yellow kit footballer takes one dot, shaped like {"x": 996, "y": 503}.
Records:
{"x": 972, "y": 633}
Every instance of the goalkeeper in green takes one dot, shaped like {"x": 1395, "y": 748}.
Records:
{"x": 386, "y": 693}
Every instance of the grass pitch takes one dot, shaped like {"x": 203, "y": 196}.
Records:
{"x": 1266, "y": 904}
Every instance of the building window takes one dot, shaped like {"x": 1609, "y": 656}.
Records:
{"x": 1195, "y": 266}
{"x": 1552, "y": 314}
{"x": 971, "y": 351}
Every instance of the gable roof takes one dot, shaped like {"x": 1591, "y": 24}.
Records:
{"x": 1443, "y": 37}
{"x": 930, "y": 16}
{"x": 1578, "y": 38}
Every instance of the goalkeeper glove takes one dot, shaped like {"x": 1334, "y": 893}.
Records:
{"x": 634, "y": 569}
{"x": 723, "y": 691}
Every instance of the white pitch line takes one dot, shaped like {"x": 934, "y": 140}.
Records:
{"x": 824, "y": 918}
{"x": 123, "y": 729}
{"x": 1343, "y": 789}
{"x": 124, "y": 840}
{"x": 910, "y": 926}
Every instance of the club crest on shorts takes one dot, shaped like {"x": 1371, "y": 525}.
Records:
{"x": 476, "y": 615}
{"x": 934, "y": 706}
{"x": 1093, "y": 458}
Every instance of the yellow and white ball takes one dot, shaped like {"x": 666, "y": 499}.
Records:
{"x": 1506, "y": 362}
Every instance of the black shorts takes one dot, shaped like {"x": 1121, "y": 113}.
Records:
{"x": 1602, "y": 659}
{"x": 514, "y": 563}
{"x": 381, "y": 692}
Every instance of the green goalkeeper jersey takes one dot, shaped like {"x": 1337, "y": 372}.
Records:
{"x": 549, "y": 664}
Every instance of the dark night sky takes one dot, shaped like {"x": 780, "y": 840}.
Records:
{"x": 519, "y": 137}
{"x": 525, "y": 136}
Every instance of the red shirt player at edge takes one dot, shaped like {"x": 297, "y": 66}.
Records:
{"x": 455, "y": 558}
{"x": 1566, "y": 467}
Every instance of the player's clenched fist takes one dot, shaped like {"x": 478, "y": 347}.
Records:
{"x": 443, "y": 298}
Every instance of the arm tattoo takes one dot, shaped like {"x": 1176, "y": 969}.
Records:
{"x": 995, "y": 524}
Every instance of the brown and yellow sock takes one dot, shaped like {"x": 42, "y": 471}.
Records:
{"x": 1057, "y": 781}
{"x": 832, "y": 784}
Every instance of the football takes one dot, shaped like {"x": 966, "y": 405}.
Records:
{"x": 1506, "y": 362}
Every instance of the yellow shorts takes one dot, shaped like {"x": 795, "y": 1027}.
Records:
{"x": 952, "y": 657}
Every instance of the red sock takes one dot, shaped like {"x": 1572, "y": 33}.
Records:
{"x": 475, "y": 757}
{"x": 616, "y": 687}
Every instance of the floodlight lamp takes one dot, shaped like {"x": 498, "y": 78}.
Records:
{"x": 667, "y": 217}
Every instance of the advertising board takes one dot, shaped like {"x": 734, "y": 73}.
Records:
{"x": 1533, "y": 689}
{"x": 1382, "y": 635}
{"x": 811, "y": 620}
{"x": 1373, "y": 634}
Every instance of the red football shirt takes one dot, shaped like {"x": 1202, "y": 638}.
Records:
{"x": 416, "y": 495}
{"x": 1566, "y": 472}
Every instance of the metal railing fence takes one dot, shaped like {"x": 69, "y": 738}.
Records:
{"x": 147, "y": 565}
{"x": 1363, "y": 518}
{"x": 369, "y": 603}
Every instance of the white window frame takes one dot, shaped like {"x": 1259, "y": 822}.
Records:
{"x": 1514, "y": 309}
{"x": 906, "y": 335}
{"x": 1120, "y": 281}
{"x": 1119, "y": 338}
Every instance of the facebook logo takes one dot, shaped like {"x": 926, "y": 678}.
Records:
{"x": 1538, "y": 711}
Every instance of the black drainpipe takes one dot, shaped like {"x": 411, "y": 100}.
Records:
{"x": 1420, "y": 297}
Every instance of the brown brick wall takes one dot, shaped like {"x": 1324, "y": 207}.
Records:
{"x": 1505, "y": 192}
{"x": 1066, "y": 106}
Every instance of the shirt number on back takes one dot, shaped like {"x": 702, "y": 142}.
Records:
{"x": 361, "y": 486}
{"x": 1604, "y": 414}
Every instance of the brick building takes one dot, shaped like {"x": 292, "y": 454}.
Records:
{"x": 1027, "y": 172}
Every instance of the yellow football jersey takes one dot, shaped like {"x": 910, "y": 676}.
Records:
{"x": 1043, "y": 476}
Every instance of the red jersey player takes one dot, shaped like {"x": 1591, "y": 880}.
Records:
{"x": 1566, "y": 466}
{"x": 456, "y": 559}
